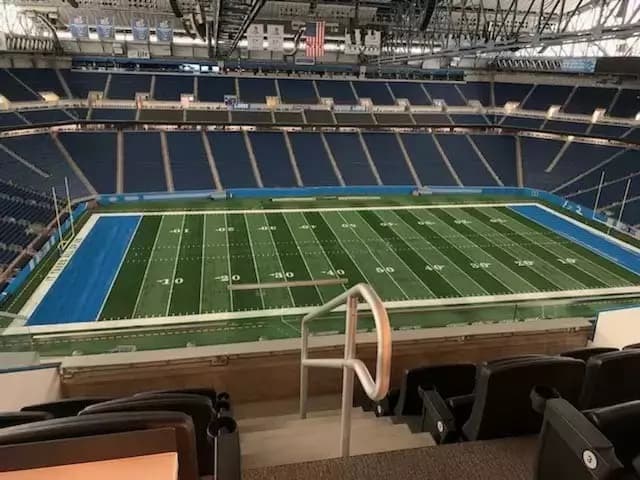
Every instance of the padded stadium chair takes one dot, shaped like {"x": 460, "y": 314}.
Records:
{"x": 633, "y": 346}
{"x": 68, "y": 407}
{"x": 450, "y": 381}
{"x": 611, "y": 378}
{"x": 197, "y": 407}
{"x": 220, "y": 401}
{"x": 621, "y": 425}
{"x": 571, "y": 447}
{"x": 500, "y": 404}
{"x": 10, "y": 419}
{"x": 585, "y": 354}
{"x": 100, "y": 424}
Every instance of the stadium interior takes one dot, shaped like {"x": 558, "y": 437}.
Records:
{"x": 324, "y": 239}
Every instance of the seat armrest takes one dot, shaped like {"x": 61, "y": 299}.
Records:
{"x": 437, "y": 418}
{"x": 385, "y": 407}
{"x": 461, "y": 407}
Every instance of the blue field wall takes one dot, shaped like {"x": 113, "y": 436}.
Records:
{"x": 608, "y": 248}
{"x": 78, "y": 293}
{"x": 21, "y": 277}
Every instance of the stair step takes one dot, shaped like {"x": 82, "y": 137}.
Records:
{"x": 291, "y": 420}
{"x": 319, "y": 439}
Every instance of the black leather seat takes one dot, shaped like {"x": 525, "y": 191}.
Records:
{"x": 10, "y": 419}
{"x": 197, "y": 407}
{"x": 449, "y": 380}
{"x": 611, "y": 378}
{"x": 67, "y": 407}
{"x": 621, "y": 425}
{"x": 92, "y": 425}
{"x": 502, "y": 406}
{"x": 631, "y": 347}
{"x": 210, "y": 393}
{"x": 585, "y": 354}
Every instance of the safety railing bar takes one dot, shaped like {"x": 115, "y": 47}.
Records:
{"x": 350, "y": 365}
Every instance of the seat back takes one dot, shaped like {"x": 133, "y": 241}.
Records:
{"x": 585, "y": 354}
{"x": 611, "y": 378}
{"x": 210, "y": 393}
{"x": 570, "y": 447}
{"x": 631, "y": 347}
{"x": 67, "y": 407}
{"x": 195, "y": 406}
{"x": 10, "y": 419}
{"x": 621, "y": 425}
{"x": 502, "y": 406}
{"x": 101, "y": 424}
{"x": 449, "y": 380}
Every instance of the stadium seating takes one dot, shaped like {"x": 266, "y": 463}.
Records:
{"x": 313, "y": 160}
{"x": 68, "y": 407}
{"x": 607, "y": 378}
{"x": 232, "y": 159}
{"x": 10, "y": 419}
{"x": 585, "y": 354}
{"x": 143, "y": 168}
{"x": 189, "y": 162}
{"x": 272, "y": 157}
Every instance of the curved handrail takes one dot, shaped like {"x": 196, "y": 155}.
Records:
{"x": 376, "y": 390}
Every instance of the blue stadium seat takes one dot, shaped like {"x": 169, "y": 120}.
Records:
{"x": 388, "y": 158}
{"x": 351, "y": 159}
{"x": 81, "y": 83}
{"x": 171, "y": 87}
{"x": 426, "y": 160}
{"x": 256, "y": 90}
{"x": 480, "y": 91}
{"x": 446, "y": 92}
{"x": 14, "y": 90}
{"x": 297, "y": 91}
{"x": 586, "y": 99}
{"x": 10, "y": 119}
{"x": 565, "y": 127}
{"x": 522, "y": 122}
{"x": 46, "y": 116}
{"x": 627, "y": 105}
{"x": 95, "y": 154}
{"x": 41, "y": 151}
{"x": 189, "y": 162}
{"x": 40, "y": 80}
{"x": 214, "y": 89}
{"x": 339, "y": 90}
{"x": 232, "y": 159}
{"x": 143, "y": 167}
{"x": 500, "y": 153}
{"x": 544, "y": 96}
{"x": 537, "y": 154}
{"x": 124, "y": 86}
{"x": 465, "y": 161}
{"x": 313, "y": 162}
{"x": 378, "y": 92}
{"x": 272, "y": 157}
{"x": 412, "y": 91}
{"x": 510, "y": 92}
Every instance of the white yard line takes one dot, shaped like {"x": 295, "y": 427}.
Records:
{"x": 330, "y": 209}
{"x": 277, "y": 252}
{"x": 204, "y": 244}
{"x": 38, "y": 295}
{"x": 230, "y": 281}
{"x": 175, "y": 266}
{"x": 124, "y": 255}
{"x": 255, "y": 264}
{"x": 146, "y": 269}
{"x": 278, "y": 312}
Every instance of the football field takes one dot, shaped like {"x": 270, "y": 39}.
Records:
{"x": 247, "y": 263}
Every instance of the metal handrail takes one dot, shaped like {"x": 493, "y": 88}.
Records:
{"x": 376, "y": 390}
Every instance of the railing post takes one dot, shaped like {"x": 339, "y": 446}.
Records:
{"x": 304, "y": 371}
{"x": 348, "y": 374}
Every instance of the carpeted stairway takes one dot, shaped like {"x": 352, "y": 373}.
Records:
{"x": 504, "y": 459}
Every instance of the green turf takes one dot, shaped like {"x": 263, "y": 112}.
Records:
{"x": 187, "y": 264}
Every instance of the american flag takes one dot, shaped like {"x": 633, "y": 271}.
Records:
{"x": 314, "y": 33}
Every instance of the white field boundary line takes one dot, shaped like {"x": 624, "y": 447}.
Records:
{"x": 82, "y": 327}
{"x": 322, "y": 210}
{"x": 124, "y": 255}
{"x": 595, "y": 231}
{"x": 38, "y": 295}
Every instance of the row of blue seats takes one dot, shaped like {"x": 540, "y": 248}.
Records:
{"x": 570, "y": 168}
{"x": 24, "y": 85}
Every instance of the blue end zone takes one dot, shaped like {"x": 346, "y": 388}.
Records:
{"x": 611, "y": 250}
{"x": 79, "y": 292}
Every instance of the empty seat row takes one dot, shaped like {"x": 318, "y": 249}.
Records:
{"x": 490, "y": 400}
{"x": 207, "y": 415}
